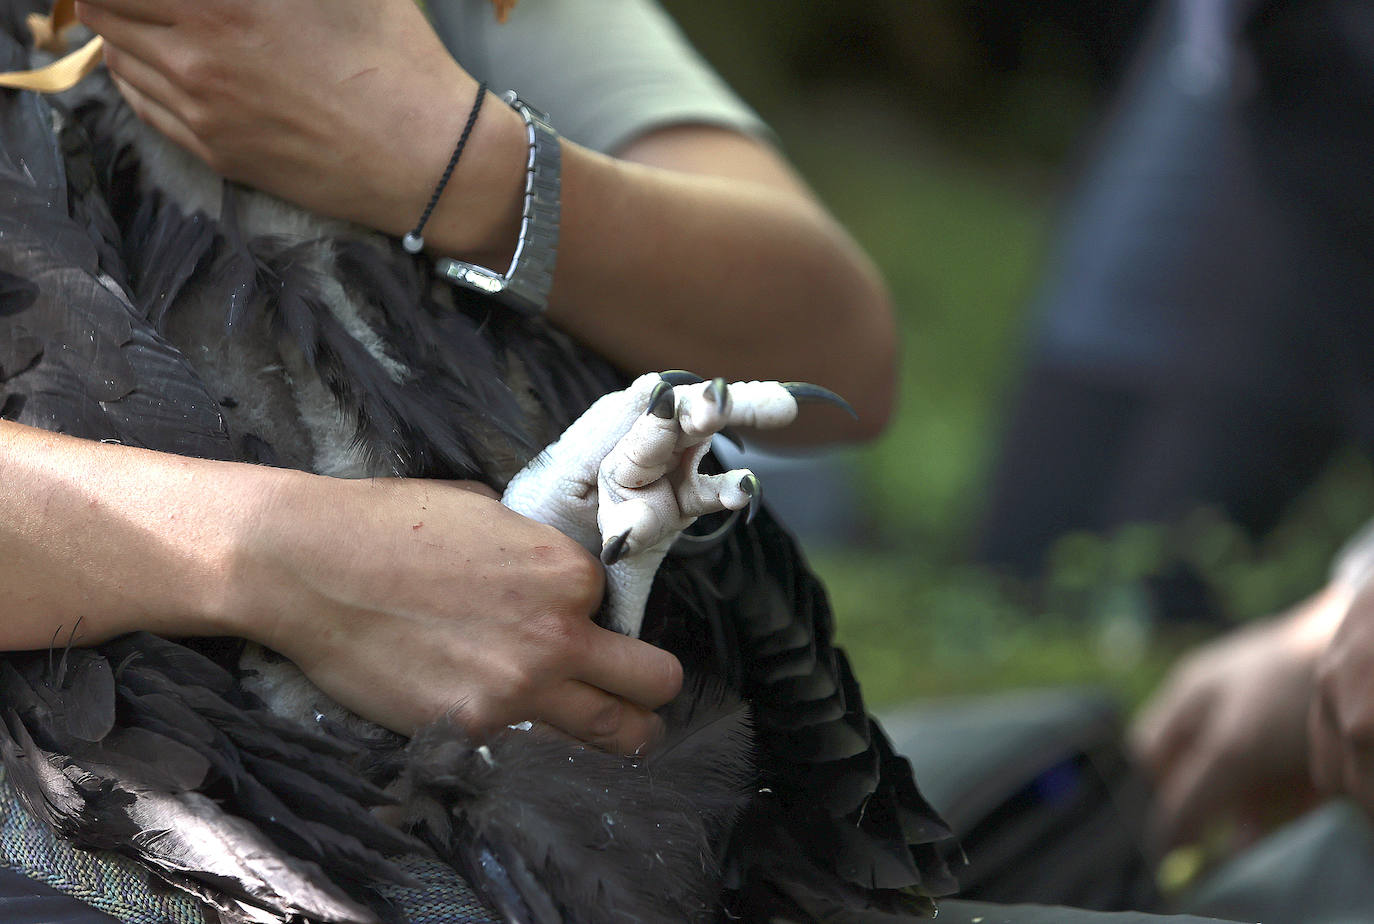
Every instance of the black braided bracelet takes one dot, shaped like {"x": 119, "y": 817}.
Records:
{"x": 414, "y": 241}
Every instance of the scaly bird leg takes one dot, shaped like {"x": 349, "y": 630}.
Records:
{"x": 623, "y": 480}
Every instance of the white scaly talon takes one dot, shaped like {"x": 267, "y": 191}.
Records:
{"x": 624, "y": 480}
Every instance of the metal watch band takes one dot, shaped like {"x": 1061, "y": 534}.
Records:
{"x": 525, "y": 285}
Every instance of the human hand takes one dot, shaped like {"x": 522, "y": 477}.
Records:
{"x": 349, "y": 108}
{"x": 1225, "y": 739}
{"x": 406, "y": 600}
{"x": 1341, "y": 717}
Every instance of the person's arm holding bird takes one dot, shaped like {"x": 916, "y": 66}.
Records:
{"x": 707, "y": 252}
{"x": 404, "y": 599}
{"x": 697, "y": 247}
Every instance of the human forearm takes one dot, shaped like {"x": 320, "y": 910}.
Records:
{"x": 402, "y": 599}
{"x": 694, "y": 248}
{"x": 733, "y": 278}
{"x": 698, "y": 249}
{"x": 116, "y": 538}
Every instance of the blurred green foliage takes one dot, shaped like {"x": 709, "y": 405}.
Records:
{"x": 944, "y": 157}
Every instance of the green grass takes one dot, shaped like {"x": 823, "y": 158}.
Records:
{"x": 916, "y": 629}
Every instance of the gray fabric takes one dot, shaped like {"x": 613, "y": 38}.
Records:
{"x": 111, "y": 883}
{"x": 61, "y": 884}
{"x": 1038, "y": 789}
{"x": 957, "y": 912}
{"x": 606, "y": 71}
{"x": 1009, "y": 737}
{"x": 1315, "y": 870}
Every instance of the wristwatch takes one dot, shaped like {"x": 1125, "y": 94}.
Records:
{"x": 525, "y": 285}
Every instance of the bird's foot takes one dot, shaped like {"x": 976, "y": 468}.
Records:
{"x": 624, "y": 479}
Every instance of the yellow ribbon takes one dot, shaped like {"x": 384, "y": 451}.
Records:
{"x": 47, "y": 30}
{"x": 62, "y": 74}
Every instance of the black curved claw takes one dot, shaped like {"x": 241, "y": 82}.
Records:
{"x": 732, "y": 437}
{"x": 680, "y": 377}
{"x": 718, "y": 393}
{"x": 750, "y": 485}
{"x": 614, "y": 550}
{"x": 661, "y": 403}
{"x": 805, "y": 391}
{"x": 697, "y": 543}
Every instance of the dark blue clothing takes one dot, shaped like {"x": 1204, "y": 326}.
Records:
{"x": 1204, "y": 332}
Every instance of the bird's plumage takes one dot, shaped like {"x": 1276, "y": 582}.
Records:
{"x": 586, "y": 836}
{"x": 148, "y": 748}
{"x": 132, "y": 310}
{"x": 75, "y": 355}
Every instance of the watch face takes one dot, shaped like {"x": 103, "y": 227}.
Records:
{"x": 470, "y": 276}
{"x": 484, "y": 282}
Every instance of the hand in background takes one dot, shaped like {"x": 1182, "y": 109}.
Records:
{"x": 1341, "y": 719}
{"x": 1225, "y": 739}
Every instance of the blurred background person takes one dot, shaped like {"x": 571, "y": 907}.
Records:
{"x": 1203, "y": 336}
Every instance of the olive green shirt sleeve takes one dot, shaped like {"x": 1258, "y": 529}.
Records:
{"x": 606, "y": 71}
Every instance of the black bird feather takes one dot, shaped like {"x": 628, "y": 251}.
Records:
{"x": 587, "y": 836}
{"x": 802, "y": 812}
{"x": 180, "y": 801}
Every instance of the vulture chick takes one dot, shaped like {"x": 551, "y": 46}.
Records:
{"x": 146, "y": 301}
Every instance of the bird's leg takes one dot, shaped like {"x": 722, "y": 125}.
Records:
{"x": 623, "y": 480}
{"x": 559, "y": 486}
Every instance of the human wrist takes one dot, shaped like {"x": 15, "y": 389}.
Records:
{"x": 250, "y": 597}
{"x": 478, "y": 216}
